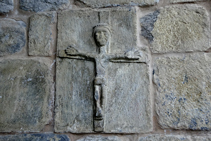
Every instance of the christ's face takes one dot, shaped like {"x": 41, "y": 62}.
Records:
{"x": 101, "y": 36}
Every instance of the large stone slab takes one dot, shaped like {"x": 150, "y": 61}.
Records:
{"x": 183, "y": 91}
{"x": 181, "y": 28}
{"x": 12, "y": 36}
{"x": 42, "y": 5}
{"x": 40, "y": 34}
{"x": 24, "y": 95}
{"x": 6, "y": 6}
{"x": 128, "y": 108}
{"x": 109, "y": 3}
{"x": 101, "y": 138}
{"x": 34, "y": 137}
{"x": 165, "y": 138}
{"x": 75, "y": 28}
{"x": 74, "y": 96}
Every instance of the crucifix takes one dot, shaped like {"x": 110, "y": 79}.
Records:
{"x": 101, "y": 35}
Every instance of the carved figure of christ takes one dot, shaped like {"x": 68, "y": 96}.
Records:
{"x": 101, "y": 59}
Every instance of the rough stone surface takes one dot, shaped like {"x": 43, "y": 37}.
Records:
{"x": 127, "y": 99}
{"x": 34, "y": 137}
{"x": 42, "y": 5}
{"x": 24, "y": 95}
{"x": 12, "y": 36}
{"x": 122, "y": 23}
{"x": 179, "y": 1}
{"x": 147, "y": 25}
{"x": 40, "y": 34}
{"x": 183, "y": 91}
{"x": 201, "y": 138}
{"x": 181, "y": 28}
{"x": 6, "y": 6}
{"x": 109, "y": 3}
{"x": 100, "y": 138}
{"x": 164, "y": 138}
{"x": 74, "y": 97}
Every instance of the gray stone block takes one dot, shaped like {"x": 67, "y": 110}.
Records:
{"x": 183, "y": 91}
{"x": 181, "y": 28}
{"x": 109, "y": 3}
{"x": 100, "y": 138}
{"x": 42, "y": 5}
{"x": 24, "y": 95}
{"x": 165, "y": 138}
{"x": 40, "y": 34}
{"x": 34, "y": 137}
{"x": 12, "y": 36}
{"x": 6, "y": 6}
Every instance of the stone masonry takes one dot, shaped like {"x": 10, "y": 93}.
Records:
{"x": 105, "y": 70}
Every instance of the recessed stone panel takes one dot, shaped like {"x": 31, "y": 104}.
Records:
{"x": 124, "y": 30}
{"x": 12, "y": 36}
{"x": 6, "y": 6}
{"x": 75, "y": 29}
{"x": 183, "y": 85}
{"x": 164, "y": 138}
{"x": 181, "y": 28}
{"x": 128, "y": 108}
{"x": 40, "y": 34}
{"x": 74, "y": 96}
{"x": 24, "y": 95}
{"x": 42, "y": 5}
{"x": 34, "y": 137}
{"x": 109, "y": 3}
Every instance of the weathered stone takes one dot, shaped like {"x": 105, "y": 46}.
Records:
{"x": 164, "y": 138}
{"x": 74, "y": 96}
{"x": 6, "y": 6}
{"x": 122, "y": 23}
{"x": 103, "y": 52}
{"x": 183, "y": 91}
{"x": 100, "y": 138}
{"x": 34, "y": 137}
{"x": 12, "y": 36}
{"x": 147, "y": 25}
{"x": 181, "y": 28}
{"x": 40, "y": 34}
{"x": 24, "y": 95}
{"x": 179, "y": 1}
{"x": 127, "y": 99}
{"x": 201, "y": 138}
{"x": 109, "y": 3}
{"x": 42, "y": 5}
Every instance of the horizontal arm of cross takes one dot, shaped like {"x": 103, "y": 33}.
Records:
{"x": 120, "y": 58}
{"x": 76, "y": 55}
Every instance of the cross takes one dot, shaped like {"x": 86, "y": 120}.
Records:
{"x": 102, "y": 35}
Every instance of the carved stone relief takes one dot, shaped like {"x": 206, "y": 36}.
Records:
{"x": 102, "y": 58}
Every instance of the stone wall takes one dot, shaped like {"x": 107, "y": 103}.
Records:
{"x": 105, "y": 70}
